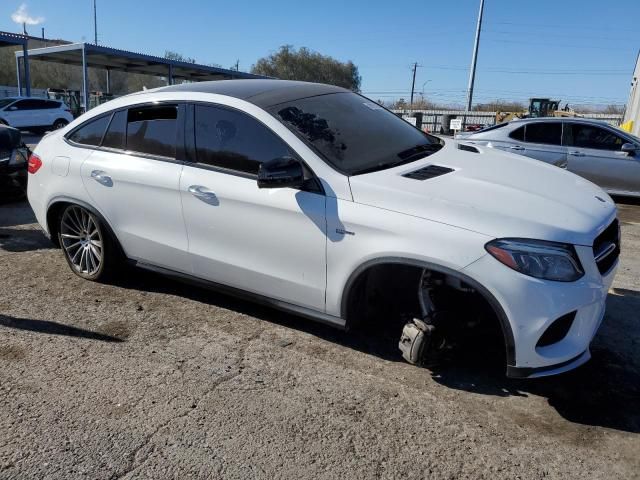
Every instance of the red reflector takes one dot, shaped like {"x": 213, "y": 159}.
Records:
{"x": 34, "y": 163}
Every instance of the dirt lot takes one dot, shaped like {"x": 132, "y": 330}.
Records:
{"x": 149, "y": 378}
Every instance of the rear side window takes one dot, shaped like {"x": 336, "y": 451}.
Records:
{"x": 234, "y": 140}
{"x": 51, "y": 104}
{"x": 116, "y": 133}
{"x": 589, "y": 136}
{"x": 91, "y": 132}
{"x": 549, "y": 133}
{"x": 518, "y": 134}
{"x": 152, "y": 130}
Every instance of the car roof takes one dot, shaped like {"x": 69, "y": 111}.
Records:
{"x": 261, "y": 92}
{"x": 557, "y": 119}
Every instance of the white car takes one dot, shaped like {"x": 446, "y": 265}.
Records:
{"x": 319, "y": 201}
{"x": 34, "y": 114}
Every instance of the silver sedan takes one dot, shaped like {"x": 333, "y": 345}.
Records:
{"x": 592, "y": 149}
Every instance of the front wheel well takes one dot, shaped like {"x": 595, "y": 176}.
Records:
{"x": 384, "y": 294}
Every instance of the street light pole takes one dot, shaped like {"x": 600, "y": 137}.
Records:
{"x": 474, "y": 59}
{"x": 413, "y": 83}
{"x": 95, "y": 23}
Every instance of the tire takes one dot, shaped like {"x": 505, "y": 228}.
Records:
{"x": 90, "y": 250}
{"x": 60, "y": 123}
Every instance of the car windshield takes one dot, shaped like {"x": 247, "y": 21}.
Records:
{"x": 354, "y": 134}
{"x": 6, "y": 101}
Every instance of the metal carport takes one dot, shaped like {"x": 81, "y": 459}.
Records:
{"x": 88, "y": 55}
{"x": 11, "y": 40}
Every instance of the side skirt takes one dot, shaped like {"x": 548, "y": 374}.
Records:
{"x": 305, "y": 312}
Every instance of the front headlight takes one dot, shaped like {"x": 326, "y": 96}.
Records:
{"x": 537, "y": 258}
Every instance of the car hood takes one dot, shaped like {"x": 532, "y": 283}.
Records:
{"x": 494, "y": 193}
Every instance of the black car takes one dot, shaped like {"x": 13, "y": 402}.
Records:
{"x": 14, "y": 157}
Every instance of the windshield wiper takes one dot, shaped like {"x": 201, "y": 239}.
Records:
{"x": 406, "y": 156}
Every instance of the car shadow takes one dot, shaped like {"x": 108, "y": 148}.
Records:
{"x": 604, "y": 392}
{"x": 54, "y": 328}
{"x": 19, "y": 240}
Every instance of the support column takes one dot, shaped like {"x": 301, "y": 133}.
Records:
{"x": 27, "y": 70}
{"x": 170, "y": 77}
{"x": 85, "y": 79}
{"x": 108, "y": 81}
{"x": 19, "y": 73}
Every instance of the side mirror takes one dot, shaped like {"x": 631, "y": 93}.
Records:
{"x": 13, "y": 108}
{"x": 280, "y": 173}
{"x": 629, "y": 148}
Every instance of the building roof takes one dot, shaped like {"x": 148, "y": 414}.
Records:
{"x": 263, "y": 93}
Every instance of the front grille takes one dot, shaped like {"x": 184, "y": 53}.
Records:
{"x": 606, "y": 247}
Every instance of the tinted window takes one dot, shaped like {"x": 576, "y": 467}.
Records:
{"x": 153, "y": 130}
{"x": 90, "y": 133}
{"x": 354, "y": 134}
{"x": 588, "y": 136}
{"x": 50, "y": 104}
{"x": 115, "y": 136}
{"x": 6, "y": 101}
{"x": 518, "y": 134}
{"x": 28, "y": 105}
{"x": 548, "y": 132}
{"x": 231, "y": 139}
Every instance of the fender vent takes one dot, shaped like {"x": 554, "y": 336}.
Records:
{"x": 430, "y": 171}
{"x": 468, "y": 148}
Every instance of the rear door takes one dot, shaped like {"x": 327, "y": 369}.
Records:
{"x": 270, "y": 242}
{"x": 133, "y": 179}
{"x": 594, "y": 152}
{"x": 543, "y": 141}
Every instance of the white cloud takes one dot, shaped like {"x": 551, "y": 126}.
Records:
{"x": 22, "y": 16}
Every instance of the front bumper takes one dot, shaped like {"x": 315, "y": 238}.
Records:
{"x": 531, "y": 305}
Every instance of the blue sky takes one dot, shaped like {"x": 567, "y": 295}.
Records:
{"x": 581, "y": 51}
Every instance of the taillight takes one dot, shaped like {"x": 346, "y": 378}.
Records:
{"x": 34, "y": 163}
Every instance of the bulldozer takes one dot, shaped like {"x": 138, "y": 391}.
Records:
{"x": 538, "y": 107}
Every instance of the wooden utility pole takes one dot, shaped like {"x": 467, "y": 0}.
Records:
{"x": 413, "y": 83}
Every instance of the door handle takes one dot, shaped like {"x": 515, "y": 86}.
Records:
{"x": 201, "y": 192}
{"x": 517, "y": 148}
{"x": 102, "y": 178}
{"x": 575, "y": 153}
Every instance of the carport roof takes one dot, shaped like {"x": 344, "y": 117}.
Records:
{"x": 8, "y": 39}
{"x": 98, "y": 56}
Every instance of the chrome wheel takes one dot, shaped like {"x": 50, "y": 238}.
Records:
{"x": 82, "y": 240}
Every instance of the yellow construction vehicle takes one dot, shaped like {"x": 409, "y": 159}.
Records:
{"x": 538, "y": 107}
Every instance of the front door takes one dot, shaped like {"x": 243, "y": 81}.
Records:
{"x": 271, "y": 242}
{"x": 595, "y": 154}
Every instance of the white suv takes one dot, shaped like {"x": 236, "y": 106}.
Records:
{"x": 34, "y": 114}
{"x": 317, "y": 200}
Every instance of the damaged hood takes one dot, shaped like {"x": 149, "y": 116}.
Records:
{"x": 494, "y": 193}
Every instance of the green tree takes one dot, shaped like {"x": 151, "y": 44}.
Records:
{"x": 309, "y": 66}
{"x": 178, "y": 57}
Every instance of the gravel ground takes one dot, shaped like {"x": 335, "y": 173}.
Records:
{"x": 149, "y": 378}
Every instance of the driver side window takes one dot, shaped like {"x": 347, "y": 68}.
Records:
{"x": 233, "y": 140}
{"x": 589, "y": 136}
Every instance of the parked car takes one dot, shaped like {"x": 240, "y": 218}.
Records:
{"x": 13, "y": 164}
{"x": 319, "y": 201}
{"x": 34, "y": 114}
{"x": 595, "y": 150}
